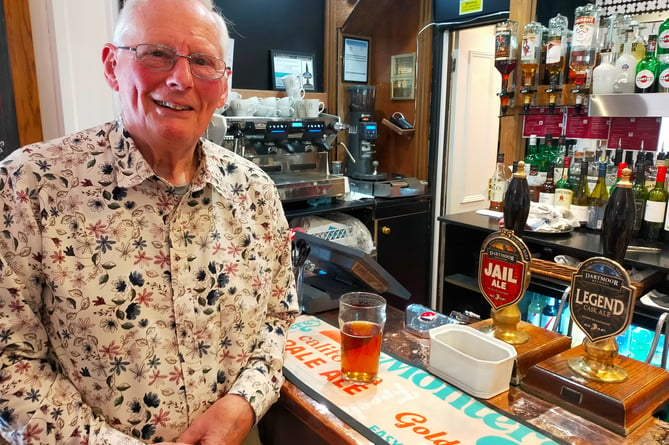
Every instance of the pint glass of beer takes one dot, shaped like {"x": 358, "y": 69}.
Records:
{"x": 361, "y": 319}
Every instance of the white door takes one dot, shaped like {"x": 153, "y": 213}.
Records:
{"x": 469, "y": 130}
{"x": 473, "y": 123}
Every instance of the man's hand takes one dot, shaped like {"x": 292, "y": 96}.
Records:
{"x": 226, "y": 422}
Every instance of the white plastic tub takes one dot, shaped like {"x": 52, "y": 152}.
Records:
{"x": 474, "y": 362}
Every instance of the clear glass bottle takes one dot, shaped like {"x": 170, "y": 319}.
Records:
{"x": 530, "y": 54}
{"x": 534, "y": 183}
{"x": 547, "y": 193}
{"x": 549, "y": 314}
{"x": 579, "y": 202}
{"x": 498, "y": 185}
{"x": 584, "y": 42}
{"x": 506, "y": 47}
{"x": 604, "y": 75}
{"x": 638, "y": 42}
{"x": 556, "y": 48}
{"x": 534, "y": 310}
{"x": 597, "y": 200}
{"x": 625, "y": 68}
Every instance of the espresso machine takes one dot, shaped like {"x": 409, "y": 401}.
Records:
{"x": 292, "y": 151}
{"x": 362, "y": 134}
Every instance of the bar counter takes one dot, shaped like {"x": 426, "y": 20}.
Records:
{"x": 414, "y": 350}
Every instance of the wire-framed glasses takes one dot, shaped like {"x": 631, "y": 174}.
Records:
{"x": 163, "y": 58}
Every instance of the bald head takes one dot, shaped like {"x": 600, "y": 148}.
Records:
{"x": 129, "y": 13}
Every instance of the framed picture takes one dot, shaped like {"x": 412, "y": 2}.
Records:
{"x": 356, "y": 60}
{"x": 402, "y": 76}
{"x": 290, "y": 62}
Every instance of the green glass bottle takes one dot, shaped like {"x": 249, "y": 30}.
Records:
{"x": 656, "y": 206}
{"x": 579, "y": 202}
{"x": 662, "y": 54}
{"x": 598, "y": 199}
{"x": 563, "y": 189}
{"x": 647, "y": 70}
{"x": 640, "y": 197}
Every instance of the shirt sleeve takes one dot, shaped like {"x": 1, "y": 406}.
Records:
{"x": 260, "y": 382}
{"x": 37, "y": 403}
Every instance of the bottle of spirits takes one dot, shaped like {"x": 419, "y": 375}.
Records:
{"x": 625, "y": 69}
{"x": 579, "y": 203}
{"x": 556, "y": 51}
{"x": 647, "y": 69}
{"x": 498, "y": 185}
{"x": 506, "y": 47}
{"x": 639, "y": 45}
{"x": 663, "y": 38}
{"x": 547, "y": 193}
{"x": 662, "y": 53}
{"x": 618, "y": 222}
{"x": 534, "y": 311}
{"x": 597, "y": 200}
{"x": 656, "y": 206}
{"x": 640, "y": 193}
{"x": 584, "y": 42}
{"x": 563, "y": 189}
{"x": 549, "y": 314}
{"x": 575, "y": 168}
{"x": 532, "y": 155}
{"x": 534, "y": 183}
{"x": 517, "y": 201}
{"x": 604, "y": 75}
{"x": 530, "y": 57}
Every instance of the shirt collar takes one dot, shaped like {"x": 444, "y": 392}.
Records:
{"x": 132, "y": 169}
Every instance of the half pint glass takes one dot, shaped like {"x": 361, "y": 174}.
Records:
{"x": 362, "y": 316}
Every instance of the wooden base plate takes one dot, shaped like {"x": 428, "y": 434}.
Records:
{"x": 541, "y": 345}
{"x": 620, "y": 407}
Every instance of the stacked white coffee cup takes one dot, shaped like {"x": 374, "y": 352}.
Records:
{"x": 295, "y": 91}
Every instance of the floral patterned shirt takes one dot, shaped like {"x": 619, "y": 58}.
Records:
{"x": 127, "y": 309}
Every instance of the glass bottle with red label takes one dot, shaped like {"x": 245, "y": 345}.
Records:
{"x": 584, "y": 46}
{"x": 506, "y": 52}
{"x": 530, "y": 57}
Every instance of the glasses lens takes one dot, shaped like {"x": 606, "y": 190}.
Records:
{"x": 156, "y": 57}
{"x": 163, "y": 58}
{"x": 207, "y": 67}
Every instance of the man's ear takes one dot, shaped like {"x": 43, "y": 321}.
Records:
{"x": 224, "y": 94}
{"x": 109, "y": 63}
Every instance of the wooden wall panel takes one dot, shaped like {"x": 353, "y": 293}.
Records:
{"x": 22, "y": 59}
{"x": 392, "y": 27}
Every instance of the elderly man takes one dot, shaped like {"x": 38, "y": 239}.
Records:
{"x": 145, "y": 280}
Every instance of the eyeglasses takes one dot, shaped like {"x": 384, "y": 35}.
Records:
{"x": 163, "y": 58}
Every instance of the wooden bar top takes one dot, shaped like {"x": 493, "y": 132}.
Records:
{"x": 414, "y": 350}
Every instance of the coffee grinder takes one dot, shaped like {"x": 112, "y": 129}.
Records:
{"x": 362, "y": 134}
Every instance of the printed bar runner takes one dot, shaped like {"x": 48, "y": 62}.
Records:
{"x": 406, "y": 406}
